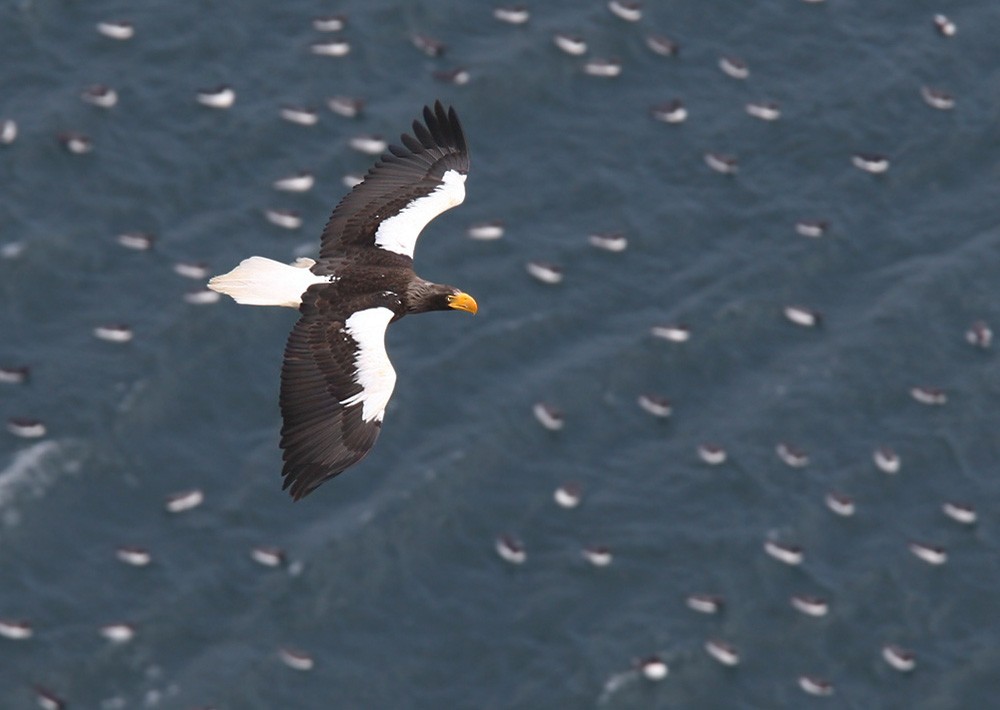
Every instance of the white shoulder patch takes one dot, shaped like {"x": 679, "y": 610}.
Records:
{"x": 373, "y": 370}
{"x": 399, "y": 233}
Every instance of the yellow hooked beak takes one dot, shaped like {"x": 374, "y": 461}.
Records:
{"x": 463, "y": 302}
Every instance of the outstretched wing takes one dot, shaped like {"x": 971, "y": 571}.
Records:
{"x": 408, "y": 187}
{"x": 336, "y": 380}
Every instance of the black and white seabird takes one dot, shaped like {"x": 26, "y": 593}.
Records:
{"x": 653, "y": 668}
{"x": 116, "y": 29}
{"x": 137, "y": 241}
{"x": 734, "y": 67}
{"x": 874, "y": 163}
{"x": 840, "y": 504}
{"x": 510, "y": 550}
{"x": 599, "y": 66}
{"x": 764, "y": 110}
{"x": 301, "y": 181}
{"x": 486, "y": 231}
{"x": 933, "y": 396}
{"x": 329, "y": 23}
{"x": 549, "y": 416}
{"x": 429, "y": 45}
{"x": 333, "y": 48}
{"x": 192, "y": 270}
{"x": 184, "y": 500}
{"x": 337, "y": 379}
{"x": 806, "y": 317}
{"x": 75, "y": 143}
{"x": 963, "y": 513}
{"x": 887, "y": 460}
{"x": 512, "y": 14}
{"x": 722, "y": 163}
{"x": 628, "y": 10}
{"x": 810, "y": 605}
{"x": 944, "y": 26}
{"x": 221, "y": 97}
{"x": 791, "y": 455}
{"x": 812, "y": 228}
{"x": 48, "y": 700}
{"x": 100, "y": 95}
{"x": 113, "y": 333}
{"x": 346, "y": 106}
{"x": 672, "y": 111}
{"x": 296, "y": 659}
{"x": 26, "y": 428}
{"x": 286, "y": 219}
{"x": 568, "y": 495}
{"x": 8, "y": 131}
{"x": 814, "y": 685}
{"x": 789, "y": 554}
{"x": 608, "y": 241}
{"x": 656, "y": 405}
{"x": 15, "y": 629}
{"x": 300, "y": 115}
{"x": 118, "y": 632}
{"x": 705, "y": 603}
{"x": 937, "y": 98}
{"x": 931, "y": 554}
{"x": 132, "y": 555}
{"x": 369, "y": 144}
{"x": 664, "y": 46}
{"x": 597, "y": 555}
{"x": 459, "y": 76}
{"x": 725, "y": 653}
{"x": 979, "y": 334}
{"x": 268, "y": 555}
{"x": 903, "y": 660}
{"x": 14, "y": 374}
{"x": 712, "y": 454}
{"x": 571, "y": 44}
{"x": 675, "y": 333}
{"x": 544, "y": 271}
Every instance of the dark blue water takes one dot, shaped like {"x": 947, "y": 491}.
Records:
{"x": 391, "y": 583}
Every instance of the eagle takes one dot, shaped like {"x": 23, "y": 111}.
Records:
{"x": 336, "y": 377}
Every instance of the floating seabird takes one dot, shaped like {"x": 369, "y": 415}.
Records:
{"x": 789, "y": 554}
{"x": 597, "y": 555}
{"x": 655, "y": 405}
{"x": 302, "y": 181}
{"x": 14, "y": 375}
{"x": 933, "y": 396}
{"x": 664, "y": 46}
{"x": 874, "y": 163}
{"x": 936, "y": 98}
{"x": 459, "y": 76}
{"x": 346, "y": 106}
{"x": 192, "y": 270}
{"x": 100, "y": 95}
{"x": 979, "y": 334}
{"x": 568, "y": 495}
{"x": 185, "y": 500}
{"x": 672, "y": 111}
{"x": 352, "y": 180}
{"x": 337, "y": 378}
{"x": 8, "y": 131}
{"x": 549, "y": 416}
{"x": 960, "y": 512}
{"x": 813, "y": 228}
{"x": 598, "y": 66}
{"x": 608, "y": 241}
{"x": 295, "y": 659}
{"x": 333, "y": 48}
{"x": 944, "y": 26}
{"x": 734, "y": 67}
{"x": 135, "y": 556}
{"x": 722, "y": 163}
{"x": 840, "y": 504}
{"x": 901, "y": 659}
{"x": 428, "y": 45}
{"x": 805, "y": 317}
{"x": 26, "y": 428}
{"x": 571, "y": 44}
{"x": 724, "y": 653}
{"x": 705, "y": 603}
{"x": 764, "y": 110}
{"x": 369, "y": 144}
{"x": 268, "y": 555}
{"x": 137, "y": 241}
{"x": 75, "y": 143}
{"x": 628, "y": 10}
{"x": 815, "y": 685}
{"x": 113, "y": 333}
{"x": 545, "y": 272}
{"x": 712, "y": 454}
{"x": 118, "y": 632}
{"x": 202, "y": 296}
{"x": 221, "y": 97}
{"x": 15, "y": 629}
{"x": 512, "y": 14}
{"x": 810, "y": 605}
{"x": 931, "y": 554}
{"x": 887, "y": 460}
{"x": 791, "y": 455}
{"x": 653, "y": 668}
{"x": 300, "y": 115}
{"x": 329, "y": 23}
{"x": 486, "y": 231}
{"x": 116, "y": 29}
{"x": 511, "y": 550}
{"x": 675, "y": 333}
{"x": 48, "y": 700}
{"x": 12, "y": 250}
{"x": 286, "y": 219}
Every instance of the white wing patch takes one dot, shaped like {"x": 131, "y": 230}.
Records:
{"x": 399, "y": 233}
{"x": 374, "y": 371}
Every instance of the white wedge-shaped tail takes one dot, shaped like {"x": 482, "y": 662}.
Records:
{"x": 258, "y": 281}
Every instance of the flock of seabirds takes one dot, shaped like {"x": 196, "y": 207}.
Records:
{"x": 336, "y": 377}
